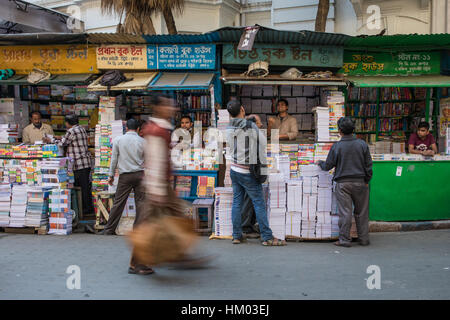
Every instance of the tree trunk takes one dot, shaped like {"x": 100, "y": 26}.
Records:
{"x": 322, "y": 14}
{"x": 170, "y": 22}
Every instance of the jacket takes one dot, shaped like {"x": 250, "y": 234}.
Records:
{"x": 351, "y": 158}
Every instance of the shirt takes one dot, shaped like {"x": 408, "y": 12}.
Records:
{"x": 157, "y": 162}
{"x": 352, "y": 160}
{"x": 31, "y": 134}
{"x": 76, "y": 141}
{"x": 420, "y": 144}
{"x": 287, "y": 125}
{"x": 127, "y": 153}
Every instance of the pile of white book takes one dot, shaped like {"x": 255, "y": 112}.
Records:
{"x": 5, "y": 204}
{"x": 277, "y": 202}
{"x": 18, "y": 206}
{"x": 294, "y": 207}
{"x": 322, "y": 117}
{"x": 222, "y": 211}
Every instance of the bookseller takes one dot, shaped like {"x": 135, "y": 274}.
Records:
{"x": 284, "y": 122}
{"x": 422, "y": 142}
{"x": 36, "y": 130}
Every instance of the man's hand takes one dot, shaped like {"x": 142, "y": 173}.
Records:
{"x": 111, "y": 181}
{"x": 46, "y": 139}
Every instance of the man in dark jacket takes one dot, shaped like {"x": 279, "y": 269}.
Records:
{"x": 353, "y": 163}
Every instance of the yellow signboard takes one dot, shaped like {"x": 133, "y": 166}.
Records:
{"x": 122, "y": 57}
{"x": 56, "y": 59}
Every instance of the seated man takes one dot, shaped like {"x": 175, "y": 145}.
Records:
{"x": 36, "y": 130}
{"x": 284, "y": 122}
{"x": 423, "y": 141}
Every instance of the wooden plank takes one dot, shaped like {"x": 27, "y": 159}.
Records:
{"x": 25, "y": 230}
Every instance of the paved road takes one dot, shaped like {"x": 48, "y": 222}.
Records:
{"x": 414, "y": 265}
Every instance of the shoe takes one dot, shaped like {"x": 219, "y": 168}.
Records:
{"x": 140, "y": 269}
{"x": 238, "y": 241}
{"x": 363, "y": 243}
{"x": 342, "y": 244}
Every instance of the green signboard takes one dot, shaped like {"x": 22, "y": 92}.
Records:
{"x": 285, "y": 55}
{"x": 386, "y": 63}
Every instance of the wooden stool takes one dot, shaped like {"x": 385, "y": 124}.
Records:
{"x": 100, "y": 209}
{"x": 202, "y": 203}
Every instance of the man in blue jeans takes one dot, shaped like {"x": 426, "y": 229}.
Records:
{"x": 242, "y": 141}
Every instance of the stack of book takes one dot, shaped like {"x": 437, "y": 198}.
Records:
{"x": 18, "y": 206}
{"x": 5, "y": 204}
{"x": 305, "y": 153}
{"x": 322, "y": 117}
{"x": 60, "y": 214}
{"x": 57, "y": 172}
{"x": 277, "y": 202}
{"x": 37, "y": 207}
{"x": 205, "y": 187}
{"x": 224, "y": 120}
{"x": 222, "y": 211}
{"x": 335, "y": 102}
{"x": 183, "y": 186}
{"x": 321, "y": 151}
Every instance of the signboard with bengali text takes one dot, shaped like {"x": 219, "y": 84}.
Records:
{"x": 56, "y": 59}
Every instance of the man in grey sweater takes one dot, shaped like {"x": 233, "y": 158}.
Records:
{"x": 351, "y": 158}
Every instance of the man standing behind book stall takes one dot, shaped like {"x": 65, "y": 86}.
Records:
{"x": 284, "y": 122}
{"x": 353, "y": 162}
{"x": 76, "y": 141}
{"x": 423, "y": 141}
{"x": 128, "y": 158}
{"x": 36, "y": 130}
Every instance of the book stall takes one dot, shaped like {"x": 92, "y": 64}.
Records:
{"x": 388, "y": 96}
{"x": 162, "y": 69}
{"x": 37, "y": 180}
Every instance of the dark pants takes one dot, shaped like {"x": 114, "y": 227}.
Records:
{"x": 349, "y": 194}
{"x": 248, "y": 215}
{"x": 127, "y": 182}
{"x": 83, "y": 180}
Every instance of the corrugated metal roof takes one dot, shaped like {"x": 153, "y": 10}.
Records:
{"x": 114, "y": 38}
{"x": 400, "y": 81}
{"x": 401, "y": 40}
{"x": 183, "y": 38}
{"x": 268, "y": 35}
{"x": 42, "y": 38}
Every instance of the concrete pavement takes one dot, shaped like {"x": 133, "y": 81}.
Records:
{"x": 413, "y": 265}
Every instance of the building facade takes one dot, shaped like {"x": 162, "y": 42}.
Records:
{"x": 351, "y": 17}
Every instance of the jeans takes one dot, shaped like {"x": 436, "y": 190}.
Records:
{"x": 82, "y": 179}
{"x": 245, "y": 183}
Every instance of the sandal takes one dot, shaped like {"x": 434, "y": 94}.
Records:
{"x": 274, "y": 242}
{"x": 140, "y": 269}
{"x": 238, "y": 241}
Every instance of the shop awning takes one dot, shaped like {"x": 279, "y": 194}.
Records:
{"x": 181, "y": 81}
{"x": 140, "y": 82}
{"x": 61, "y": 79}
{"x": 400, "y": 81}
{"x": 277, "y": 80}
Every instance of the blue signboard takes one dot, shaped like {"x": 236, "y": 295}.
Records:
{"x": 179, "y": 57}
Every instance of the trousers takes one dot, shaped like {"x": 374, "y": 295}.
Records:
{"x": 82, "y": 180}
{"x": 349, "y": 195}
{"x": 127, "y": 182}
